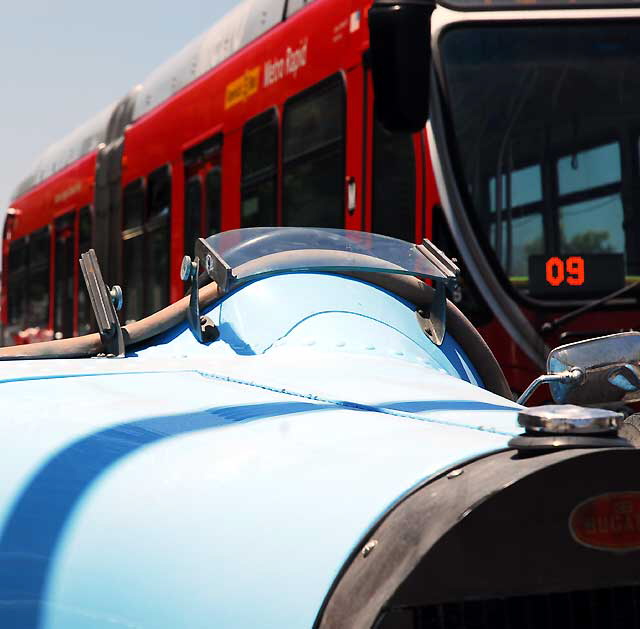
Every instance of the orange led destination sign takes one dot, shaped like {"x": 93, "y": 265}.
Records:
{"x": 570, "y": 271}
{"x": 588, "y": 274}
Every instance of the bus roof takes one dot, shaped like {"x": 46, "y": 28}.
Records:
{"x": 238, "y": 28}
{"x": 79, "y": 142}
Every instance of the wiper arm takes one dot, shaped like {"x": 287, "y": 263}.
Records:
{"x": 528, "y": 83}
{"x": 550, "y": 326}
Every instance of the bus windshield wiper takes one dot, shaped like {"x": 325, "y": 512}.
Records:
{"x": 550, "y": 326}
{"x": 528, "y": 83}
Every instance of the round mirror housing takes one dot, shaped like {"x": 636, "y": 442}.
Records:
{"x": 611, "y": 368}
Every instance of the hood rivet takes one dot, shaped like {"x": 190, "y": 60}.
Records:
{"x": 369, "y": 547}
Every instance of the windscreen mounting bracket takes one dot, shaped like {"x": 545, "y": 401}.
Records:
{"x": 219, "y": 271}
{"x": 104, "y": 301}
{"x": 189, "y": 273}
{"x": 436, "y": 324}
{"x": 238, "y": 256}
{"x": 202, "y": 328}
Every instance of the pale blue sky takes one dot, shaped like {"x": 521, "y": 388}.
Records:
{"x": 61, "y": 61}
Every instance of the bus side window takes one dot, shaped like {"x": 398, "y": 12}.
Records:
{"x": 192, "y": 213}
{"x": 260, "y": 170}
{"x": 39, "y": 245}
{"x": 133, "y": 249}
{"x": 213, "y": 201}
{"x": 17, "y": 283}
{"x": 84, "y": 244}
{"x": 157, "y": 236}
{"x": 393, "y": 207}
{"x": 313, "y": 138}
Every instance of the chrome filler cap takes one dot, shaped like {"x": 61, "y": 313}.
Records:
{"x": 569, "y": 419}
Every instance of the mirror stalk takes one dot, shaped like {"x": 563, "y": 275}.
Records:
{"x": 570, "y": 376}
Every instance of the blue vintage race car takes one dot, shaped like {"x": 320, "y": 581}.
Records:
{"x": 313, "y": 438}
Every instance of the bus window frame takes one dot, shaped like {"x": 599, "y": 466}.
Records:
{"x": 340, "y": 80}
{"x": 252, "y": 181}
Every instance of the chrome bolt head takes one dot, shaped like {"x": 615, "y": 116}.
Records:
{"x": 185, "y": 269}
{"x": 366, "y": 551}
{"x": 116, "y": 297}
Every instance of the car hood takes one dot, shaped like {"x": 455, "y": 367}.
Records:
{"x": 225, "y": 485}
{"x": 161, "y": 491}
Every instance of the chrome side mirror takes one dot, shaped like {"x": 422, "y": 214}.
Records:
{"x": 610, "y": 365}
{"x": 603, "y": 370}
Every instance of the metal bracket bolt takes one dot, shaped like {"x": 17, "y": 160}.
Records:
{"x": 116, "y": 297}
{"x": 366, "y": 551}
{"x": 188, "y": 269}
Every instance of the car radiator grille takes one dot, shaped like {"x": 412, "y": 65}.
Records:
{"x": 594, "y": 609}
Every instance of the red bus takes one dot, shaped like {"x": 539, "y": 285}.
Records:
{"x": 268, "y": 118}
{"x": 534, "y": 136}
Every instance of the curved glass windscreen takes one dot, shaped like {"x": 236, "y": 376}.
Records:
{"x": 258, "y": 251}
{"x": 546, "y": 127}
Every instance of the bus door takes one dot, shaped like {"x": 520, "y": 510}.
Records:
{"x": 65, "y": 275}
{"x": 17, "y": 279}
{"x": 202, "y": 191}
{"x": 394, "y": 170}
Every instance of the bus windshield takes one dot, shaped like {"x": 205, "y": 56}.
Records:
{"x": 546, "y": 134}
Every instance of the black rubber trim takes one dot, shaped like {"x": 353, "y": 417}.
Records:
{"x": 133, "y": 333}
{"x": 407, "y": 287}
{"x": 421, "y": 296}
{"x": 540, "y": 443}
{"x": 487, "y": 528}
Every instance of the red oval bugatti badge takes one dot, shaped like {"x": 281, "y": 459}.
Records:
{"x": 608, "y": 522}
